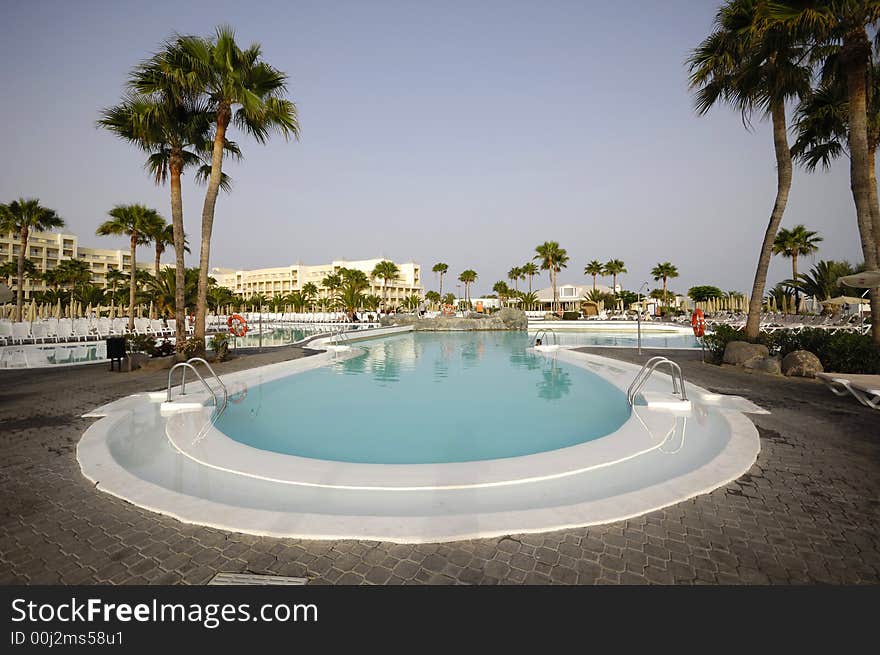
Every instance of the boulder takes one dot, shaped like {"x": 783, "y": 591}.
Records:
{"x": 772, "y": 365}
{"x": 741, "y": 352}
{"x": 513, "y": 319}
{"x": 801, "y": 363}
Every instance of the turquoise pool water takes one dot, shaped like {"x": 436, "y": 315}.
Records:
{"x": 422, "y": 398}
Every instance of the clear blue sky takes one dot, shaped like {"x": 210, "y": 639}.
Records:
{"x": 455, "y": 131}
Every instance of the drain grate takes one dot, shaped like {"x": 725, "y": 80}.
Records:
{"x": 254, "y": 579}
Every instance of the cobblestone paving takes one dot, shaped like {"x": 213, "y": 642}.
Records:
{"x": 807, "y": 512}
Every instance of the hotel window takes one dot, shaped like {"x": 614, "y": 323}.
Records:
{"x": 568, "y": 292}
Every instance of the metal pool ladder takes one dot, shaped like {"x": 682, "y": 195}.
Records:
{"x": 649, "y": 367}
{"x": 189, "y": 364}
{"x": 544, "y": 332}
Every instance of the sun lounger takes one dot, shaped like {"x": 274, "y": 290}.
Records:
{"x": 865, "y": 388}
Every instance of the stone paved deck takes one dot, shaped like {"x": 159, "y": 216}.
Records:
{"x": 807, "y": 512}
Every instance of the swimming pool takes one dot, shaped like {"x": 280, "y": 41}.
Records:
{"x": 426, "y": 397}
{"x": 420, "y": 437}
{"x": 616, "y": 334}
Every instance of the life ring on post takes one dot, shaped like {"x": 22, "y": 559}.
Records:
{"x": 238, "y": 327}
{"x": 698, "y": 322}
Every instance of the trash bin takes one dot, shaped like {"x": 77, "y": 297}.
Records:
{"x": 116, "y": 351}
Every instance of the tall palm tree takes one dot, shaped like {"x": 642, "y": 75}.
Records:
{"x": 502, "y": 290}
{"x": 822, "y": 122}
{"x": 663, "y": 272}
{"x": 332, "y": 282}
{"x": 114, "y": 278}
{"x": 163, "y": 118}
{"x": 162, "y": 238}
{"x": 23, "y": 216}
{"x": 385, "y": 270}
{"x": 241, "y": 89}
{"x": 552, "y": 258}
{"x": 468, "y": 277}
{"x": 136, "y": 222}
{"x": 515, "y": 274}
{"x": 594, "y": 268}
{"x": 614, "y": 267}
{"x": 529, "y": 270}
{"x": 440, "y": 268}
{"x": 793, "y": 243}
{"x": 754, "y": 65}
{"x": 310, "y": 292}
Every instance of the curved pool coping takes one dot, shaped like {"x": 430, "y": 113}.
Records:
{"x": 644, "y": 430}
{"x": 99, "y": 465}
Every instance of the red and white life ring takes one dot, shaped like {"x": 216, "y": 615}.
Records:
{"x": 238, "y": 327}
{"x": 698, "y": 322}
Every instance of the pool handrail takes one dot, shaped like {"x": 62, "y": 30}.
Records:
{"x": 648, "y": 368}
{"x": 545, "y": 332}
{"x": 189, "y": 364}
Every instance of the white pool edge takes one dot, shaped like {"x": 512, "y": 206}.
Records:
{"x": 100, "y": 467}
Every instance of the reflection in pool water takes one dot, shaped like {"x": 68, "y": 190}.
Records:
{"x": 429, "y": 398}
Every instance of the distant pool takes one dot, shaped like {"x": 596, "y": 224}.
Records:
{"x": 610, "y": 335}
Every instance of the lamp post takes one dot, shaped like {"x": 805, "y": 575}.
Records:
{"x": 639, "y": 316}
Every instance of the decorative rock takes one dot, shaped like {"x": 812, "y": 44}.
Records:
{"x": 770, "y": 365}
{"x": 801, "y": 363}
{"x": 740, "y": 352}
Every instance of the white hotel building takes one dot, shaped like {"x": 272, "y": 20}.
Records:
{"x": 284, "y": 279}
{"x": 46, "y": 249}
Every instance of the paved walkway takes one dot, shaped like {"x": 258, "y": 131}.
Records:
{"x": 807, "y": 512}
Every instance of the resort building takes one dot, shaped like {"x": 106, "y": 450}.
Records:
{"x": 570, "y": 296}
{"x": 282, "y": 280}
{"x": 46, "y": 249}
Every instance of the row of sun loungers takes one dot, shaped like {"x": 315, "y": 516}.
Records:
{"x": 81, "y": 329}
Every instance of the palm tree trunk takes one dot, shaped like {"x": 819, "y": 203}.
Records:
{"x": 794, "y": 277}
{"x": 553, "y": 305}
{"x": 594, "y": 283}
{"x": 131, "y": 282}
{"x": 530, "y": 284}
{"x": 223, "y": 116}
{"x": 783, "y": 185}
{"x": 854, "y": 55}
{"x": 19, "y": 292}
{"x": 664, "y": 290}
{"x": 874, "y": 294}
{"x": 179, "y": 252}
{"x": 441, "y": 284}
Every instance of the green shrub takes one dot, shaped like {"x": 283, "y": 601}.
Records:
{"x": 191, "y": 347}
{"x": 220, "y": 346}
{"x": 570, "y": 316}
{"x": 141, "y": 343}
{"x": 842, "y": 352}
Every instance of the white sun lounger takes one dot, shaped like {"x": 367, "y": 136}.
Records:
{"x": 865, "y": 388}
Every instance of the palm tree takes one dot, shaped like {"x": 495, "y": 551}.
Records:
{"x": 440, "y": 269}
{"x": 614, "y": 267}
{"x": 240, "y": 88}
{"x": 9, "y": 272}
{"x": 114, "y": 278}
{"x": 468, "y": 277}
{"x": 595, "y": 269}
{"x": 372, "y": 302}
{"x": 663, "y": 272}
{"x": 136, "y": 222}
{"x": 823, "y": 135}
{"x": 529, "y": 300}
{"x": 553, "y": 259}
{"x": 754, "y": 66}
{"x": 502, "y": 290}
{"x": 162, "y": 238}
{"x": 449, "y": 299}
{"x": 332, "y": 282}
{"x": 385, "y": 270}
{"x": 23, "y": 216}
{"x": 433, "y": 297}
{"x": 256, "y": 301}
{"x": 792, "y": 243}
{"x": 821, "y": 281}
{"x": 529, "y": 270}
{"x": 515, "y": 274}
{"x": 310, "y": 292}
{"x": 163, "y": 118}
